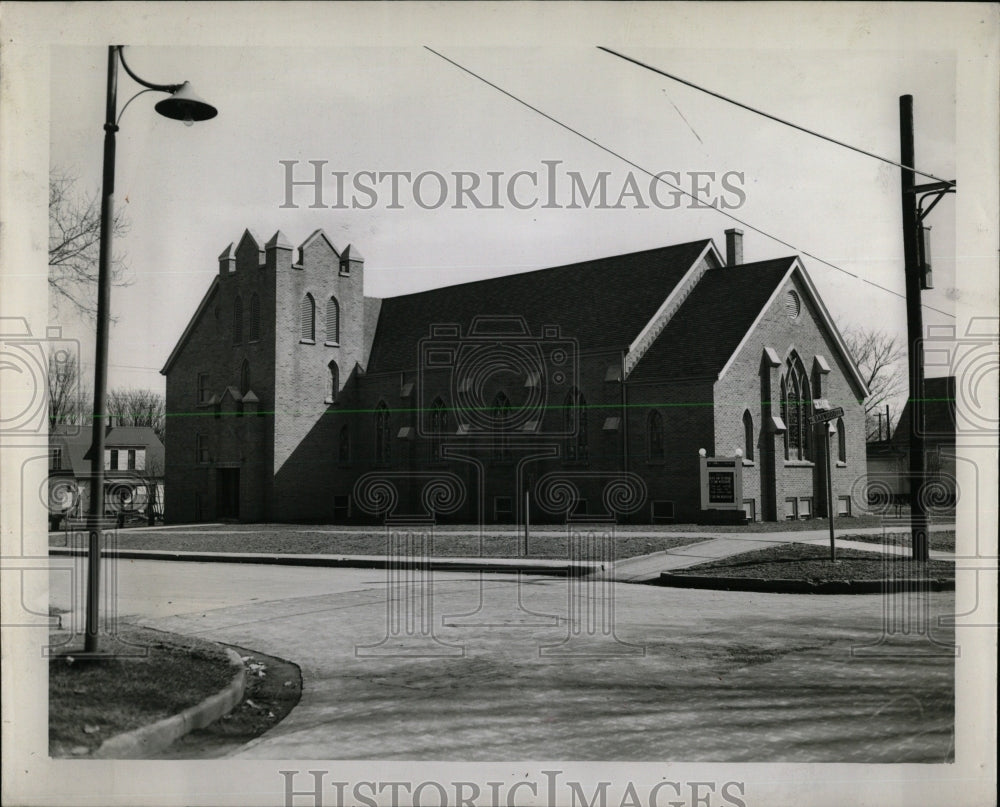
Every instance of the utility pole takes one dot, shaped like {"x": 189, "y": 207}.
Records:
{"x": 917, "y": 272}
{"x": 914, "y": 332}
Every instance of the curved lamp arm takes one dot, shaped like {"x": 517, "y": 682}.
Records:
{"x": 148, "y": 84}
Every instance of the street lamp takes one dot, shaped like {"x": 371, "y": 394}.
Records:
{"x": 182, "y": 105}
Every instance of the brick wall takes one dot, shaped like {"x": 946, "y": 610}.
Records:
{"x": 304, "y": 465}
{"x": 748, "y": 387}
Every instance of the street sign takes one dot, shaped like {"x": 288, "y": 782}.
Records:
{"x": 829, "y": 414}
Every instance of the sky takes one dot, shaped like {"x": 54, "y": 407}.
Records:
{"x": 190, "y": 191}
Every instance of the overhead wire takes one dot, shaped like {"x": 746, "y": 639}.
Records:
{"x": 775, "y": 118}
{"x": 659, "y": 178}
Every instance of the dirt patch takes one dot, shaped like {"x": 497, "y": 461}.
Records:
{"x": 273, "y": 689}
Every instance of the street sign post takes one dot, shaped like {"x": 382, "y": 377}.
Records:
{"x": 825, "y": 414}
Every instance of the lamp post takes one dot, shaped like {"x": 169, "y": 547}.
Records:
{"x": 182, "y": 105}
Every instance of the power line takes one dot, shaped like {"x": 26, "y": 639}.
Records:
{"x": 659, "y": 178}
{"x": 770, "y": 116}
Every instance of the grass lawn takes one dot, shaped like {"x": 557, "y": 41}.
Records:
{"x": 841, "y": 524}
{"x": 810, "y": 562}
{"x": 292, "y": 539}
{"x": 943, "y": 540}
{"x": 92, "y": 700}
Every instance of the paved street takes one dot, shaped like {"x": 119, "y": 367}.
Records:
{"x": 688, "y": 675}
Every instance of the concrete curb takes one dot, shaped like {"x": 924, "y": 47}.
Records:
{"x": 803, "y": 586}
{"x": 442, "y": 564}
{"x": 142, "y": 742}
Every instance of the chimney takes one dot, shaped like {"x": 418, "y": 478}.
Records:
{"x": 734, "y": 247}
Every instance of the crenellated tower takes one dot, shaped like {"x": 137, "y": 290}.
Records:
{"x": 263, "y": 370}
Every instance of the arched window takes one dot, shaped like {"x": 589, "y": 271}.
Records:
{"x": 237, "y": 320}
{"x": 575, "y": 414}
{"x": 332, "y": 320}
{"x": 334, "y": 381}
{"x": 501, "y": 422}
{"x": 438, "y": 427}
{"x": 654, "y": 435}
{"x": 841, "y": 441}
{"x": 254, "y": 318}
{"x": 383, "y": 434}
{"x": 796, "y": 407}
{"x": 748, "y": 440}
{"x": 244, "y": 377}
{"x": 344, "y": 445}
{"x": 307, "y": 318}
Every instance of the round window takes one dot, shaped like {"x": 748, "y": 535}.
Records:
{"x": 792, "y": 305}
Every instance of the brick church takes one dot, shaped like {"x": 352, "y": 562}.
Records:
{"x": 289, "y": 389}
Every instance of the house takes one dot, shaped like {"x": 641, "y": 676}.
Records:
{"x": 294, "y": 386}
{"x": 133, "y": 472}
{"x": 889, "y": 460}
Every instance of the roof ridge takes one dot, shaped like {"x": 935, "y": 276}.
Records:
{"x": 702, "y": 241}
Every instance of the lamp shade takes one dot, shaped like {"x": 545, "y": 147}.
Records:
{"x": 185, "y": 105}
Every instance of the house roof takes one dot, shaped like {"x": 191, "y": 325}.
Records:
{"x": 712, "y": 322}
{"x": 600, "y": 303}
{"x": 939, "y": 412}
{"x": 75, "y": 443}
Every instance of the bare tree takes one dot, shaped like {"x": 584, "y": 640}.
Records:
{"x": 878, "y": 356}
{"x": 69, "y": 400}
{"x": 137, "y": 407}
{"x": 75, "y": 245}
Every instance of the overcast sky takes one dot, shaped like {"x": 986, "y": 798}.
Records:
{"x": 188, "y": 192}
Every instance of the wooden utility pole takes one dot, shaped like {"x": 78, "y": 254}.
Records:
{"x": 914, "y": 330}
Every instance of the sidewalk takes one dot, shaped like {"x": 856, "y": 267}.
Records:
{"x": 649, "y": 567}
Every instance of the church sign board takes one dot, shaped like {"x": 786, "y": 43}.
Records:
{"x": 721, "y": 483}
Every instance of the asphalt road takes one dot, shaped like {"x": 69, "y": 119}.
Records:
{"x": 496, "y": 671}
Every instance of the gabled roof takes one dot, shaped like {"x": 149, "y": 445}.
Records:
{"x": 190, "y": 326}
{"x": 351, "y": 253}
{"x": 939, "y": 412}
{"x": 312, "y": 237}
{"x": 825, "y": 321}
{"x": 600, "y": 303}
{"x": 712, "y": 322}
{"x": 75, "y": 443}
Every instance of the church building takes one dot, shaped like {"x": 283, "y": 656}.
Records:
{"x": 290, "y": 389}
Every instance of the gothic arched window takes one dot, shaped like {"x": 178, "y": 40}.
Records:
{"x": 254, "y": 318}
{"x": 333, "y": 320}
{"x": 501, "y": 422}
{"x": 334, "y": 381}
{"x": 654, "y": 435}
{"x": 344, "y": 445}
{"x": 237, "y": 320}
{"x": 307, "y": 318}
{"x": 796, "y": 407}
{"x": 748, "y": 440}
{"x": 575, "y": 414}
{"x": 438, "y": 427}
{"x": 383, "y": 434}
